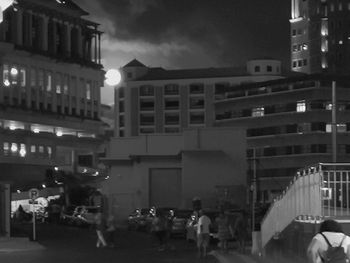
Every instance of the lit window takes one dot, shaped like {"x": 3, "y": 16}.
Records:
{"x": 58, "y": 83}
{"x": 329, "y": 128}
{"x": 88, "y": 91}
{"x": 49, "y": 82}
{"x": 5, "y": 75}
{"x": 65, "y": 85}
{"x": 258, "y": 112}
{"x": 14, "y": 147}
{"x": 341, "y": 127}
{"x": 340, "y": 42}
{"x": 14, "y": 75}
{"x": 33, "y": 149}
{"x": 329, "y": 106}
{"x": 6, "y": 148}
{"x": 22, "y": 151}
{"x": 22, "y": 77}
{"x": 49, "y": 151}
{"x": 305, "y": 46}
{"x": 301, "y": 106}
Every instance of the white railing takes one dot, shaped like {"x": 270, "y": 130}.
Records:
{"x": 315, "y": 192}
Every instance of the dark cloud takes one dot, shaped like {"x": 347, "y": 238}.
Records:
{"x": 231, "y": 30}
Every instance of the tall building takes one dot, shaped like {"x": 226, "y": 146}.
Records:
{"x": 51, "y": 75}
{"x": 156, "y": 100}
{"x": 320, "y": 36}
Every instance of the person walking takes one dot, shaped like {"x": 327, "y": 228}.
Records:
{"x": 203, "y": 234}
{"x": 100, "y": 227}
{"x": 240, "y": 231}
{"x": 159, "y": 225}
{"x": 329, "y": 244}
{"x": 110, "y": 231}
{"x": 224, "y": 232}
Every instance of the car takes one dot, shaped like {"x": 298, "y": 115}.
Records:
{"x": 137, "y": 219}
{"x": 179, "y": 221}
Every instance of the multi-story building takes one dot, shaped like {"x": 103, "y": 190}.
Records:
{"x": 320, "y": 36}
{"x": 51, "y": 75}
{"x": 155, "y": 100}
{"x": 289, "y": 125}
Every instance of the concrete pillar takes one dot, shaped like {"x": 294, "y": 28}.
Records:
{"x": 67, "y": 32}
{"x": 44, "y": 32}
{"x": 80, "y": 42}
{"x": 19, "y": 26}
{"x": 29, "y": 28}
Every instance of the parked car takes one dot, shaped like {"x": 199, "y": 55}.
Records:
{"x": 179, "y": 221}
{"x": 137, "y": 219}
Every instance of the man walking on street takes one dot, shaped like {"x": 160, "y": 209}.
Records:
{"x": 203, "y": 233}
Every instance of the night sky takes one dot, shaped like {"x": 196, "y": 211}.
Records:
{"x": 190, "y": 33}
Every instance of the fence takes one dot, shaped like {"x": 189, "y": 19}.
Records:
{"x": 315, "y": 192}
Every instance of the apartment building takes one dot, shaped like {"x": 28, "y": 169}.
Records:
{"x": 51, "y": 75}
{"x": 320, "y": 36}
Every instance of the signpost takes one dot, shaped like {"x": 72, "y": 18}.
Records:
{"x": 33, "y": 194}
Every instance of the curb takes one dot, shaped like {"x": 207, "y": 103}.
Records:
{"x": 10, "y": 245}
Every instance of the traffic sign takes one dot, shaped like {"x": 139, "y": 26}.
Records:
{"x": 33, "y": 193}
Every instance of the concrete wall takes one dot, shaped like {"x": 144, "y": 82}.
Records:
{"x": 207, "y": 158}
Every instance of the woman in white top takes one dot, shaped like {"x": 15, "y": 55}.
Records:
{"x": 331, "y": 230}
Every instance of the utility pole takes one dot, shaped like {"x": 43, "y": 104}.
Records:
{"x": 253, "y": 190}
{"x": 334, "y": 122}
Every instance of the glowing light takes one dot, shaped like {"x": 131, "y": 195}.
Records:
{"x": 55, "y": 168}
{"x": 113, "y": 77}
{"x": 43, "y": 185}
{"x": 18, "y": 191}
{"x": 22, "y": 152}
{"x": 14, "y": 71}
{"x": 6, "y": 82}
{"x": 14, "y": 147}
{"x": 59, "y": 133}
{"x": 12, "y": 127}
{"x": 36, "y": 130}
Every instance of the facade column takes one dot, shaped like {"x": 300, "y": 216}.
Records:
{"x": 99, "y": 48}
{"x": 80, "y": 42}
{"x": 29, "y": 28}
{"x": 68, "y": 29}
{"x": 44, "y": 32}
{"x": 19, "y": 26}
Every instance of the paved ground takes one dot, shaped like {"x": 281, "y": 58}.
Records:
{"x": 65, "y": 244}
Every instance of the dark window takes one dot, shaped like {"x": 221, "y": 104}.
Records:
{"x": 121, "y": 106}
{"x": 85, "y": 160}
{"x": 146, "y": 91}
{"x": 171, "y": 89}
{"x": 294, "y": 64}
{"x": 172, "y": 104}
{"x": 269, "y": 68}
{"x": 121, "y": 121}
{"x": 146, "y": 119}
{"x": 82, "y": 113}
{"x": 172, "y": 119}
{"x": 196, "y": 88}
{"x": 292, "y": 128}
{"x": 197, "y": 103}
{"x": 146, "y": 105}
{"x": 257, "y": 69}
{"x": 129, "y": 75}
{"x": 294, "y": 32}
{"x": 121, "y": 133}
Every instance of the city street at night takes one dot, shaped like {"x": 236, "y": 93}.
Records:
{"x": 71, "y": 244}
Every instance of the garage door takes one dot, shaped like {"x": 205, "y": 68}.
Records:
{"x": 165, "y": 187}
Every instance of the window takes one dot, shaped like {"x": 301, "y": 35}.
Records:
{"x": 196, "y": 103}
{"x": 146, "y": 130}
{"x": 332, "y": 7}
{"x": 22, "y": 150}
{"x": 147, "y": 105}
{"x": 294, "y": 32}
{"x": 121, "y": 121}
{"x": 300, "y": 63}
{"x": 197, "y": 118}
{"x": 171, "y": 130}
{"x": 48, "y": 82}
{"x": 305, "y": 46}
{"x": 171, "y": 89}
{"x": 269, "y": 68}
{"x": 41, "y": 79}
{"x": 22, "y": 77}
{"x": 6, "y": 148}
{"x": 196, "y": 89}
{"x": 58, "y": 83}
{"x": 14, "y": 75}
{"x": 146, "y": 91}
{"x": 65, "y": 84}
{"x": 41, "y": 149}
{"x": 146, "y": 119}
{"x": 32, "y": 77}
{"x": 88, "y": 91}
{"x": 32, "y": 148}
{"x": 172, "y": 118}
{"x": 341, "y": 127}
{"x": 257, "y": 69}
{"x": 305, "y": 62}
{"x": 5, "y": 75}
{"x": 121, "y": 106}
{"x": 258, "y": 112}
{"x": 49, "y": 151}
{"x": 294, "y": 64}
{"x": 129, "y": 75}
{"x": 301, "y": 106}
{"x": 172, "y": 104}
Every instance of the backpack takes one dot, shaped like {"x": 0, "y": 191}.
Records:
{"x": 334, "y": 254}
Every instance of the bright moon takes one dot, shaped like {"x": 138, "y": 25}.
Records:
{"x": 113, "y": 77}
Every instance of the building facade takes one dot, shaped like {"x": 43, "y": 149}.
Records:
{"x": 169, "y": 170}
{"x": 320, "y": 36}
{"x": 289, "y": 124}
{"x": 51, "y": 75}
{"x": 155, "y": 100}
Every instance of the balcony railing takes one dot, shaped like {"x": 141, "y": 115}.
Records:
{"x": 316, "y": 192}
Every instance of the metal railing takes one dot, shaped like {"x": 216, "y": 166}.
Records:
{"x": 316, "y": 192}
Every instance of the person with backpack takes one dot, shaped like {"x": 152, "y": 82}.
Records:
{"x": 330, "y": 245}
{"x": 159, "y": 224}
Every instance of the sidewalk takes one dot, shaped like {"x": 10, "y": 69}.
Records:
{"x": 17, "y": 244}
{"x": 232, "y": 257}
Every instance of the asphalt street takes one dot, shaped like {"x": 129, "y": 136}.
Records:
{"x": 67, "y": 244}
